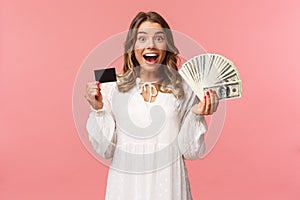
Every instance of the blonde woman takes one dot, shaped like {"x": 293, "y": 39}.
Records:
{"x": 149, "y": 121}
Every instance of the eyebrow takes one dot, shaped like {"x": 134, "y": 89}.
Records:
{"x": 143, "y": 32}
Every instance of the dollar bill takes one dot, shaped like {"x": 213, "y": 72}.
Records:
{"x": 227, "y": 90}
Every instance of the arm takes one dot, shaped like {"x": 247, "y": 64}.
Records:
{"x": 101, "y": 124}
{"x": 191, "y": 136}
{"x": 193, "y": 125}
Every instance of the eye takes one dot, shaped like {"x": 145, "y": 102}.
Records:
{"x": 159, "y": 38}
{"x": 142, "y": 39}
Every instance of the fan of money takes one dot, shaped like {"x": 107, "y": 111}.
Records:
{"x": 212, "y": 71}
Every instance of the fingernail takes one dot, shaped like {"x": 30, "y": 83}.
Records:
{"x": 204, "y": 97}
{"x": 207, "y": 93}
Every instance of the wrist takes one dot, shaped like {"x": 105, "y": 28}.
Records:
{"x": 97, "y": 110}
{"x": 96, "y": 106}
{"x": 194, "y": 110}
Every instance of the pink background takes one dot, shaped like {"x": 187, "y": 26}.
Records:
{"x": 43, "y": 44}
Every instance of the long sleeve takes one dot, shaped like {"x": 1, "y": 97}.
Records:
{"x": 191, "y": 135}
{"x": 101, "y": 125}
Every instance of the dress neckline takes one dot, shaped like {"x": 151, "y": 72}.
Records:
{"x": 142, "y": 86}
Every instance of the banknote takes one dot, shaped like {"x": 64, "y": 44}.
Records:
{"x": 228, "y": 90}
{"x": 212, "y": 71}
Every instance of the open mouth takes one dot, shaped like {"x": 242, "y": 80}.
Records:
{"x": 150, "y": 58}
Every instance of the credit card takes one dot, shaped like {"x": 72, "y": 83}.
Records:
{"x": 105, "y": 75}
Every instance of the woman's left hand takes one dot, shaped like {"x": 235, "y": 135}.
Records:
{"x": 209, "y": 105}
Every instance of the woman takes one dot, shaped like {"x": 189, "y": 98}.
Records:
{"x": 149, "y": 121}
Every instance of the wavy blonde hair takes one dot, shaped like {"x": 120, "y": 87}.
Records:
{"x": 171, "y": 81}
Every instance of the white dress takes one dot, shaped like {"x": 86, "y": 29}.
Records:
{"x": 147, "y": 142}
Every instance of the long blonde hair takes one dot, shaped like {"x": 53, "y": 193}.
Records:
{"x": 171, "y": 80}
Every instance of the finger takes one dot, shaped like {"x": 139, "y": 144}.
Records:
{"x": 94, "y": 99}
{"x": 95, "y": 85}
{"x": 212, "y": 101}
{"x": 93, "y": 92}
{"x": 97, "y": 92}
{"x": 90, "y": 84}
{"x": 99, "y": 85}
{"x": 216, "y": 101}
{"x": 208, "y": 103}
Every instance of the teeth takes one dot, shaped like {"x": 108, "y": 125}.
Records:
{"x": 150, "y": 54}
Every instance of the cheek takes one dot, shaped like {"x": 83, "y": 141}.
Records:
{"x": 137, "y": 49}
{"x": 163, "y": 54}
{"x": 161, "y": 47}
{"x": 139, "y": 46}
{"x": 138, "y": 54}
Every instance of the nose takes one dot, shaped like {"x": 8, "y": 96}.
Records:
{"x": 151, "y": 43}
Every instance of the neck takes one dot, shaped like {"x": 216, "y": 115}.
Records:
{"x": 146, "y": 76}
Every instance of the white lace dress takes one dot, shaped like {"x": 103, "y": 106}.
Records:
{"x": 147, "y": 142}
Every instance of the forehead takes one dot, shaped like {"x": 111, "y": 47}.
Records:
{"x": 150, "y": 27}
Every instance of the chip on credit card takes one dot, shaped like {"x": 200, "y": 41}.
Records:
{"x": 105, "y": 75}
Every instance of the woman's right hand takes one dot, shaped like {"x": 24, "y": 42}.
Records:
{"x": 93, "y": 95}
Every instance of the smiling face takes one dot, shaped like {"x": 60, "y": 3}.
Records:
{"x": 150, "y": 46}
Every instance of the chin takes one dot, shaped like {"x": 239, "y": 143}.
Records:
{"x": 150, "y": 68}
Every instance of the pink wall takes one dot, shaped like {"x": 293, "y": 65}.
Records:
{"x": 43, "y": 44}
